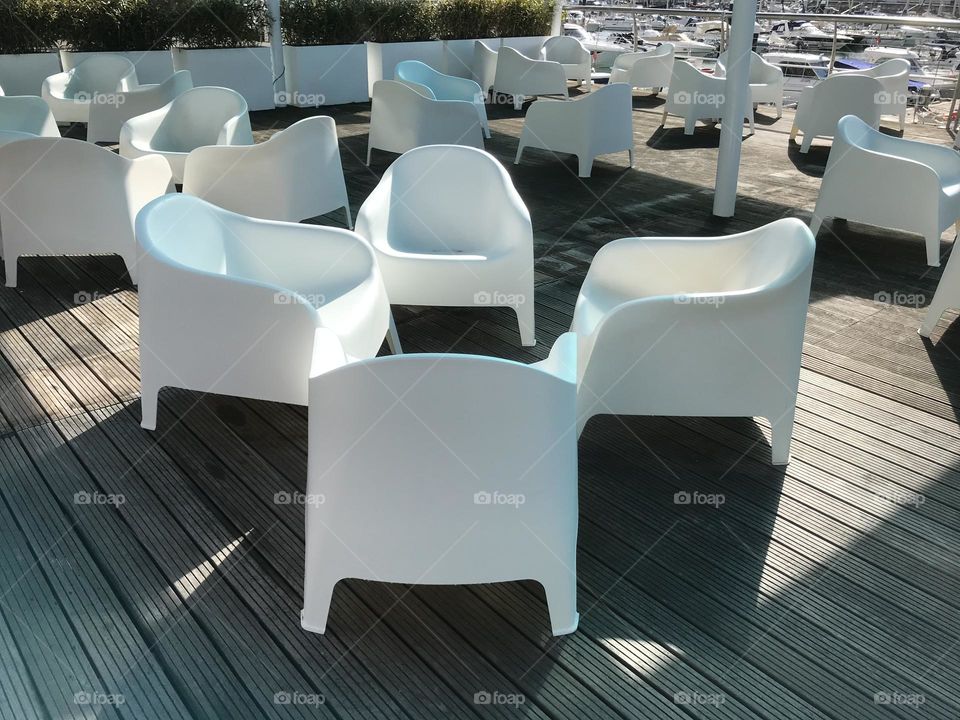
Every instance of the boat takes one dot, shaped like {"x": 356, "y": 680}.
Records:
{"x": 941, "y": 77}
{"x": 684, "y": 45}
{"x": 800, "y": 70}
{"x": 808, "y": 36}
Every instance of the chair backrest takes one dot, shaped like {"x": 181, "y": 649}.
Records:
{"x": 840, "y": 95}
{"x": 187, "y": 234}
{"x": 101, "y": 74}
{"x": 562, "y": 49}
{"x": 415, "y": 71}
{"x": 757, "y": 64}
{"x": 27, "y": 113}
{"x": 204, "y": 116}
{"x": 484, "y": 65}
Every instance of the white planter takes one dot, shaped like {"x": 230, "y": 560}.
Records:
{"x": 458, "y": 55}
{"x": 249, "y": 71}
{"x": 153, "y": 66}
{"x": 382, "y": 58}
{"x": 325, "y": 74}
{"x": 24, "y": 74}
{"x": 529, "y": 46}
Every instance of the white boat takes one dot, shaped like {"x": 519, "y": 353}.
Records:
{"x": 684, "y": 45}
{"x": 800, "y": 70}
{"x": 808, "y": 36}
{"x": 591, "y": 41}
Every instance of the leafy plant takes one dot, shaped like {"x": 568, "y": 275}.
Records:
{"x": 458, "y": 19}
{"x": 115, "y": 25}
{"x": 517, "y": 18}
{"x": 322, "y": 22}
{"x": 27, "y": 26}
{"x": 399, "y": 20}
{"x": 220, "y": 23}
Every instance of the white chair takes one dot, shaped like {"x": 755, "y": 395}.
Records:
{"x": 766, "y": 81}
{"x": 697, "y": 327}
{"x": 947, "y": 295}
{"x": 107, "y": 119}
{"x": 822, "y": 105}
{"x": 403, "y": 117}
{"x": 651, "y": 69}
{"x": 890, "y": 182}
{"x": 60, "y": 196}
{"x": 520, "y": 76}
{"x": 444, "y": 87}
{"x": 97, "y": 80}
{"x": 484, "y": 66}
{"x": 250, "y": 308}
{"x": 696, "y": 96}
{"x": 595, "y": 124}
{"x": 444, "y": 469}
{"x": 569, "y": 52}
{"x": 27, "y": 114}
{"x": 449, "y": 229}
{"x": 894, "y": 75}
{"x": 293, "y": 176}
{"x": 198, "y": 117}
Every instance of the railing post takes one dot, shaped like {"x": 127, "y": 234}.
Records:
{"x": 276, "y": 54}
{"x": 635, "y": 32}
{"x": 833, "y": 51}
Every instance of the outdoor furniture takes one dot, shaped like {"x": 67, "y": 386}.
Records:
{"x": 947, "y": 295}
{"x": 696, "y": 96}
{"x": 696, "y": 327}
{"x": 449, "y": 229}
{"x": 97, "y": 80}
{"x": 293, "y": 176}
{"x": 444, "y": 87}
{"x": 200, "y": 116}
{"x": 107, "y": 119}
{"x": 894, "y": 75}
{"x": 890, "y": 182}
{"x": 521, "y": 76}
{"x": 443, "y": 469}
{"x": 403, "y": 117}
{"x": 766, "y": 81}
{"x": 822, "y": 105}
{"x": 60, "y": 196}
{"x": 651, "y": 69}
{"x": 595, "y": 124}
{"x": 484, "y": 66}
{"x": 570, "y": 53}
{"x": 27, "y": 114}
{"x": 250, "y": 308}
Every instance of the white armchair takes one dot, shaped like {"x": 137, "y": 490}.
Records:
{"x": 651, "y": 69}
{"x": 822, "y": 105}
{"x": 449, "y": 229}
{"x": 470, "y": 478}
{"x": 697, "y": 326}
{"x": 484, "y": 65}
{"x": 894, "y": 75}
{"x": 696, "y": 96}
{"x": 106, "y": 119}
{"x": 251, "y": 308}
{"x": 403, "y": 117}
{"x": 198, "y": 117}
{"x": 595, "y": 124}
{"x": 444, "y": 87}
{"x": 569, "y": 52}
{"x": 27, "y": 114}
{"x": 293, "y": 176}
{"x": 60, "y": 196}
{"x": 521, "y": 76}
{"x": 947, "y": 295}
{"x": 890, "y": 182}
{"x": 98, "y": 80}
{"x": 766, "y": 81}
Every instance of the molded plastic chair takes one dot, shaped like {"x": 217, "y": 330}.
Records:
{"x": 201, "y": 116}
{"x": 60, "y": 196}
{"x": 881, "y": 180}
{"x": 697, "y": 327}
{"x": 521, "y": 76}
{"x": 947, "y": 295}
{"x": 107, "y": 119}
{"x": 449, "y": 229}
{"x": 293, "y": 176}
{"x": 569, "y": 52}
{"x": 595, "y": 124}
{"x": 695, "y": 96}
{"x": 444, "y": 87}
{"x": 484, "y": 66}
{"x": 27, "y": 114}
{"x": 766, "y": 81}
{"x": 250, "y": 308}
{"x": 822, "y": 105}
{"x": 651, "y": 69}
{"x": 97, "y": 80}
{"x": 894, "y": 75}
{"x": 444, "y": 469}
{"x": 403, "y": 117}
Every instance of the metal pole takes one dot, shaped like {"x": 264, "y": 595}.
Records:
{"x": 833, "y": 51}
{"x": 737, "y": 91}
{"x": 276, "y": 54}
{"x": 635, "y": 32}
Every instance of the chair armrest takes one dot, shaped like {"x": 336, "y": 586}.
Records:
{"x": 327, "y": 352}
{"x": 55, "y": 86}
{"x": 562, "y": 361}
{"x": 944, "y": 161}
{"x": 448, "y": 87}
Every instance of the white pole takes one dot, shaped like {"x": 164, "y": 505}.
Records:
{"x": 276, "y": 53}
{"x": 556, "y": 25}
{"x": 737, "y": 91}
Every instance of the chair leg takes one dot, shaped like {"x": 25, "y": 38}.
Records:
{"x": 807, "y": 142}
{"x": 346, "y": 209}
{"x": 750, "y": 121}
{"x": 903, "y": 119}
{"x": 630, "y": 156}
{"x": 319, "y": 598}
{"x": 518, "y": 102}
{"x": 930, "y": 320}
{"x": 516, "y": 160}
{"x": 526, "y": 319}
{"x": 933, "y": 250}
{"x": 561, "y": 593}
{"x": 793, "y": 131}
{"x": 149, "y": 394}
{"x": 10, "y": 267}
{"x": 586, "y": 165}
{"x": 781, "y": 437}
{"x": 780, "y": 108}
{"x": 815, "y": 222}
{"x": 369, "y": 150}
{"x": 393, "y": 339}
{"x": 689, "y": 123}
{"x": 663, "y": 120}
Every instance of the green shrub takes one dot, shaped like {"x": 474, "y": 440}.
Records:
{"x": 322, "y": 22}
{"x": 518, "y": 18}
{"x": 27, "y": 26}
{"x": 116, "y": 25}
{"x": 458, "y": 19}
{"x": 220, "y": 23}
{"x": 399, "y": 20}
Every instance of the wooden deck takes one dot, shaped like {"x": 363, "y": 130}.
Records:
{"x": 155, "y": 575}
